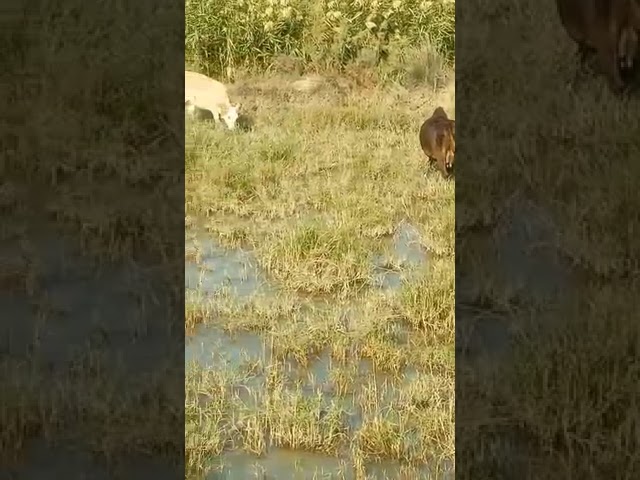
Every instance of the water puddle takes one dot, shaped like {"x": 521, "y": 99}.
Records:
{"x": 340, "y": 388}
{"x": 336, "y": 385}
{"x": 320, "y": 372}
{"x": 282, "y": 464}
{"x": 359, "y": 390}
{"x": 210, "y": 268}
{"x": 277, "y": 464}
{"x": 211, "y": 347}
{"x": 406, "y": 252}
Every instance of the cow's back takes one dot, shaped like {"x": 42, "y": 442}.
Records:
{"x": 199, "y": 86}
{"x": 588, "y": 21}
{"x": 433, "y": 127}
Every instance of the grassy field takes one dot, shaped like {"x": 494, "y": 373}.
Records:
{"x": 320, "y": 274}
{"x": 568, "y": 397}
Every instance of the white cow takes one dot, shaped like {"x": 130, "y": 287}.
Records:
{"x": 208, "y": 94}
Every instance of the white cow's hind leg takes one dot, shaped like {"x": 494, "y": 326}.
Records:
{"x": 215, "y": 111}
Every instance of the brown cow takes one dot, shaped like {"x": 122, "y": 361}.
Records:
{"x": 604, "y": 27}
{"x": 628, "y": 49}
{"x": 438, "y": 140}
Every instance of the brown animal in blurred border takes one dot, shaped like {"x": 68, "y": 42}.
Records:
{"x": 438, "y": 140}
{"x": 628, "y": 52}
{"x": 607, "y": 28}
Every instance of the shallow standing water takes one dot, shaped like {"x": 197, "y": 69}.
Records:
{"x": 210, "y": 269}
{"x": 222, "y": 268}
{"x": 283, "y": 464}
